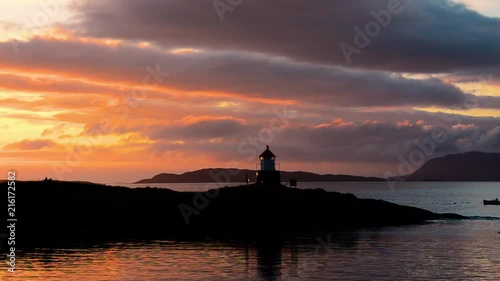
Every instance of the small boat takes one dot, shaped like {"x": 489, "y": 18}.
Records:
{"x": 491, "y": 202}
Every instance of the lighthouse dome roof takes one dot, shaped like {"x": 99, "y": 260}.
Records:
{"x": 267, "y": 153}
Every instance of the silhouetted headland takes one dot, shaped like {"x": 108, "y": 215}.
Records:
{"x": 469, "y": 166}
{"x": 60, "y": 210}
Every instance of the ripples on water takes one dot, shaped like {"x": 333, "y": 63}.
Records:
{"x": 452, "y": 250}
{"x": 441, "y": 250}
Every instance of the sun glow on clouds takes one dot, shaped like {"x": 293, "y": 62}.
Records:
{"x": 480, "y": 88}
{"x": 62, "y": 34}
{"x": 25, "y": 18}
{"x": 144, "y": 45}
{"x": 182, "y": 51}
{"x": 89, "y": 78}
{"x": 472, "y": 112}
{"x": 191, "y": 119}
{"x": 227, "y": 104}
{"x": 485, "y": 7}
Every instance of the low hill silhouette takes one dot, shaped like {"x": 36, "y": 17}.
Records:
{"x": 61, "y": 210}
{"x": 238, "y": 175}
{"x": 470, "y": 166}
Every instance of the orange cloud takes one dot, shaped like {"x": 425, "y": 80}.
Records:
{"x": 191, "y": 119}
{"x": 28, "y": 144}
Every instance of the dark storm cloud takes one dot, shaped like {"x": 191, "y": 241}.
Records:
{"x": 337, "y": 141}
{"x": 382, "y": 142}
{"x": 489, "y": 102}
{"x": 203, "y": 131}
{"x": 426, "y": 36}
{"x": 237, "y": 73}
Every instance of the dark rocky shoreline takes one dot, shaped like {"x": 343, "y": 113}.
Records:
{"x": 61, "y": 211}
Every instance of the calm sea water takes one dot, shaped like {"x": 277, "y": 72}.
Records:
{"x": 437, "y": 250}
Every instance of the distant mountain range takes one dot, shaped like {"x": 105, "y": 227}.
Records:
{"x": 470, "y": 166}
{"x": 238, "y": 175}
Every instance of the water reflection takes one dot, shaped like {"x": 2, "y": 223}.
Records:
{"x": 268, "y": 256}
{"x": 432, "y": 251}
{"x": 290, "y": 259}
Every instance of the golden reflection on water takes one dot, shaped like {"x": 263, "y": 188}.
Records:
{"x": 461, "y": 250}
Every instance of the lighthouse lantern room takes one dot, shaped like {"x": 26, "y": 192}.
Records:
{"x": 267, "y": 173}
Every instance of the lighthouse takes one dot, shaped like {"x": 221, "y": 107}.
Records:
{"x": 266, "y": 171}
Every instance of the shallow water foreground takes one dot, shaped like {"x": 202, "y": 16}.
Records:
{"x": 443, "y": 250}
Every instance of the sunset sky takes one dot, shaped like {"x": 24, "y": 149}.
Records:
{"x": 120, "y": 90}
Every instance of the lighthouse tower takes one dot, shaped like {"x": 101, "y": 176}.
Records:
{"x": 266, "y": 171}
